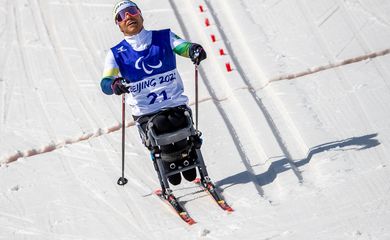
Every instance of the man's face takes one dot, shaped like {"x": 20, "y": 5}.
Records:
{"x": 131, "y": 25}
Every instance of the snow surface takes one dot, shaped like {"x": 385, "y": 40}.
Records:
{"x": 297, "y": 135}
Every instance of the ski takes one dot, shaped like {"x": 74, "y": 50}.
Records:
{"x": 176, "y": 206}
{"x": 210, "y": 188}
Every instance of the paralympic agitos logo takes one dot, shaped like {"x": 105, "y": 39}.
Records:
{"x": 148, "y": 69}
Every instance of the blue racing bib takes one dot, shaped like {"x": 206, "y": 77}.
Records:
{"x": 151, "y": 73}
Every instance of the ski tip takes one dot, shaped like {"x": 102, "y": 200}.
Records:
{"x": 229, "y": 209}
{"x": 158, "y": 192}
{"x": 186, "y": 218}
{"x": 191, "y": 222}
{"x": 225, "y": 206}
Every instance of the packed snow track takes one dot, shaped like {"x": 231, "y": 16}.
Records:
{"x": 297, "y": 135}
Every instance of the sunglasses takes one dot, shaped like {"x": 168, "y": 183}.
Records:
{"x": 121, "y": 15}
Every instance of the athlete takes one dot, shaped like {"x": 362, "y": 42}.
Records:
{"x": 143, "y": 66}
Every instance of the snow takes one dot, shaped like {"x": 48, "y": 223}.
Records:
{"x": 297, "y": 135}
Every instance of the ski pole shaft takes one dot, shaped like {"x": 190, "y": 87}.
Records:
{"x": 196, "y": 96}
{"x": 123, "y": 134}
{"x": 122, "y": 180}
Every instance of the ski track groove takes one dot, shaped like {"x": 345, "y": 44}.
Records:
{"x": 333, "y": 65}
{"x": 344, "y": 81}
{"x": 222, "y": 112}
{"x": 60, "y": 77}
{"x": 136, "y": 224}
{"x": 335, "y": 9}
{"x": 127, "y": 198}
{"x": 372, "y": 15}
{"x": 132, "y": 209}
{"x": 28, "y": 74}
{"x": 254, "y": 95}
{"x": 131, "y": 171}
{"x": 363, "y": 42}
{"x": 90, "y": 47}
{"x": 33, "y": 232}
{"x": 18, "y": 210}
{"x": 54, "y": 144}
{"x": 59, "y": 73}
{"x": 4, "y": 93}
{"x": 88, "y": 111}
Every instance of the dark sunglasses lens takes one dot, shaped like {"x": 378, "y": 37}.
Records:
{"x": 118, "y": 18}
{"x": 132, "y": 10}
{"x": 122, "y": 14}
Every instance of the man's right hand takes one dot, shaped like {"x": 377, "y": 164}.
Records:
{"x": 118, "y": 86}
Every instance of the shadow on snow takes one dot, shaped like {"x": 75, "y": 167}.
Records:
{"x": 280, "y": 166}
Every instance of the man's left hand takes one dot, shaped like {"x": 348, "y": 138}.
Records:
{"x": 197, "y": 53}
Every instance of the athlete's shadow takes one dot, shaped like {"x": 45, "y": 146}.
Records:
{"x": 277, "y": 167}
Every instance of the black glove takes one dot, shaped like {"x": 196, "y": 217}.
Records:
{"x": 197, "y": 53}
{"x": 118, "y": 86}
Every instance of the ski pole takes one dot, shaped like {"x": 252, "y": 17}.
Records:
{"x": 196, "y": 56}
{"x": 196, "y": 96}
{"x": 122, "y": 180}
